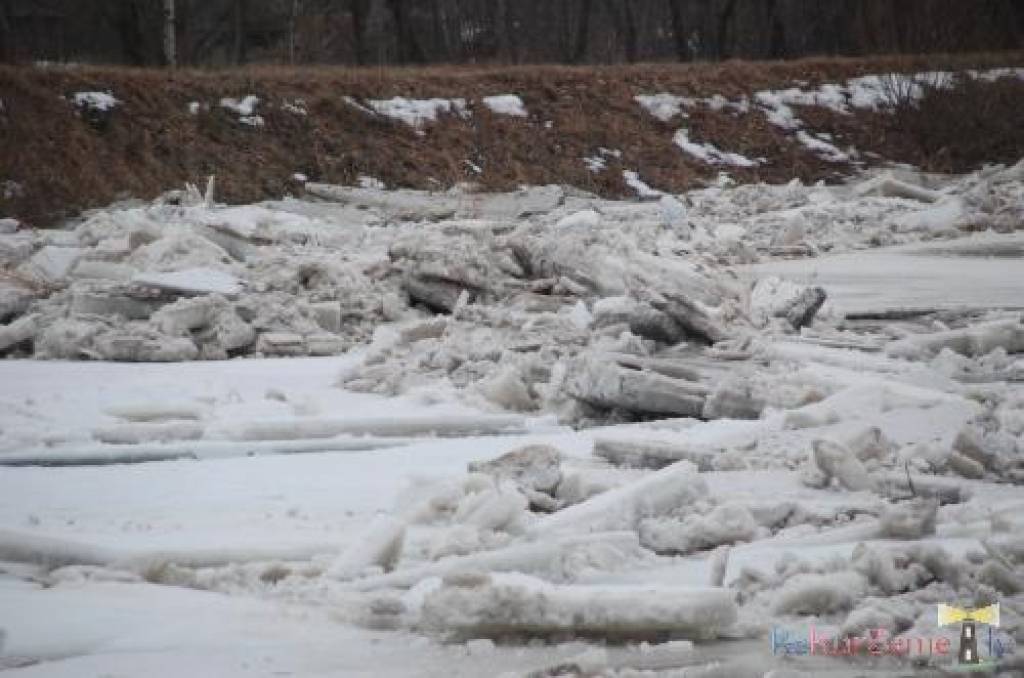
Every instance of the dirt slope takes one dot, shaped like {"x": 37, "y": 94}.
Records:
{"x": 56, "y": 159}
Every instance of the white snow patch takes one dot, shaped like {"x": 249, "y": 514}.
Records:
{"x": 663, "y": 106}
{"x": 416, "y": 112}
{"x": 245, "y": 108}
{"x": 364, "y": 181}
{"x": 634, "y": 181}
{"x": 97, "y": 101}
{"x": 595, "y": 164}
{"x": 296, "y": 107}
{"x": 821, "y": 147}
{"x": 506, "y": 104}
{"x": 709, "y": 153}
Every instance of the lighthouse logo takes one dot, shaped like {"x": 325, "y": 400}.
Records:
{"x": 969, "y": 621}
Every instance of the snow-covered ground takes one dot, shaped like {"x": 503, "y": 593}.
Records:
{"x": 515, "y": 433}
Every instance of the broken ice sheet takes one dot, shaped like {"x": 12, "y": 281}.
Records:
{"x": 422, "y": 484}
{"x": 192, "y": 281}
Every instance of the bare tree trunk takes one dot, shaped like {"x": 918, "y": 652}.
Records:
{"x": 6, "y": 51}
{"x": 622, "y": 14}
{"x": 239, "y": 48}
{"x": 583, "y": 32}
{"x": 724, "y": 21}
{"x": 409, "y": 50}
{"x": 359, "y": 15}
{"x": 629, "y": 31}
{"x": 292, "y": 20}
{"x": 170, "y": 48}
{"x": 441, "y": 38}
{"x": 678, "y": 30}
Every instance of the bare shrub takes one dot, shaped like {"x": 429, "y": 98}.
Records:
{"x": 958, "y": 124}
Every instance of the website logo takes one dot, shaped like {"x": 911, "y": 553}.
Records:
{"x": 968, "y": 654}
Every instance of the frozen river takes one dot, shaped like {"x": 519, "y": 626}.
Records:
{"x": 984, "y": 271}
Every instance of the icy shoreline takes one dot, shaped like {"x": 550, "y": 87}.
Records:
{"x": 609, "y": 436}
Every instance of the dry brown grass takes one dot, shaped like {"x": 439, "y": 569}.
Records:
{"x": 66, "y": 163}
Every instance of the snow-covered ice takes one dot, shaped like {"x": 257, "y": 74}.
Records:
{"x": 544, "y": 430}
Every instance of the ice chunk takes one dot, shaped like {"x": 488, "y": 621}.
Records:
{"x": 144, "y": 346}
{"x": 192, "y": 281}
{"x": 909, "y": 520}
{"x": 445, "y": 426}
{"x": 155, "y": 411}
{"x": 835, "y": 460}
{"x": 535, "y": 467}
{"x": 888, "y": 186}
{"x": 584, "y": 219}
{"x": 19, "y": 331}
{"x": 870, "y": 443}
{"x": 492, "y": 509}
{"x": 135, "y": 433}
{"x": 818, "y": 594}
{"x": 607, "y": 385}
{"x": 624, "y": 507}
{"x": 651, "y": 454}
{"x": 379, "y": 545}
{"x": 975, "y": 340}
{"x": 500, "y": 606}
{"x": 507, "y": 389}
{"x": 726, "y": 524}
{"x": 556, "y": 557}
{"x": 51, "y": 264}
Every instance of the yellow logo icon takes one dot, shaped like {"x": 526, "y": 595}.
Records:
{"x": 949, "y": 615}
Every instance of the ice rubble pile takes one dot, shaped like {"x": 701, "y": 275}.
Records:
{"x": 541, "y": 299}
